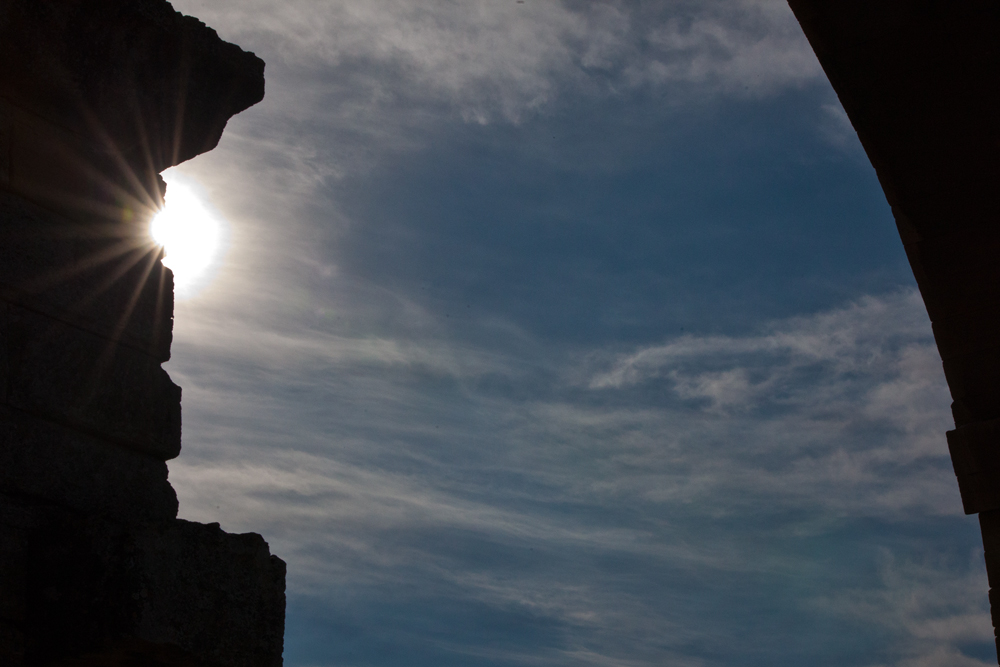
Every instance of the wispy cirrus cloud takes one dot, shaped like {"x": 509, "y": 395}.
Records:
{"x": 849, "y": 339}
{"x": 837, "y": 399}
{"x": 933, "y": 610}
{"x": 367, "y": 483}
{"x": 500, "y": 60}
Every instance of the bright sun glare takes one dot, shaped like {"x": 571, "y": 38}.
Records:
{"x": 191, "y": 235}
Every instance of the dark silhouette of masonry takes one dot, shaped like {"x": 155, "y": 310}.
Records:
{"x": 920, "y": 81}
{"x": 97, "y": 97}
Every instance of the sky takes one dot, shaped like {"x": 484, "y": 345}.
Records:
{"x": 563, "y": 333}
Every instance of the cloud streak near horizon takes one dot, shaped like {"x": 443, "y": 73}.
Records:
{"x": 569, "y": 333}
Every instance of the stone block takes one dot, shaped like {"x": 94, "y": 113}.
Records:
{"x": 11, "y": 645}
{"x": 162, "y": 85}
{"x": 989, "y": 525}
{"x": 973, "y": 376}
{"x": 68, "y": 375}
{"x": 973, "y": 408}
{"x": 5, "y": 136}
{"x": 47, "y": 461}
{"x": 192, "y": 572}
{"x": 975, "y": 455}
{"x": 994, "y": 597}
{"x": 4, "y": 344}
{"x": 55, "y": 167}
{"x": 956, "y": 272}
{"x": 968, "y": 332}
{"x": 101, "y": 276}
{"x": 175, "y": 593}
{"x": 14, "y": 525}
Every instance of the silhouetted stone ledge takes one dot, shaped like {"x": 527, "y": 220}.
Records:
{"x": 93, "y": 589}
{"x": 96, "y": 98}
{"x": 146, "y": 82}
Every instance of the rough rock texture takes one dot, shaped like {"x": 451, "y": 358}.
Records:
{"x": 919, "y": 81}
{"x": 96, "y": 98}
{"x": 131, "y": 72}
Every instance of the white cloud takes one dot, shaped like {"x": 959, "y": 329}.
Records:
{"x": 931, "y": 608}
{"x": 836, "y": 128}
{"x": 363, "y": 477}
{"x": 499, "y": 60}
{"x": 846, "y": 408}
{"x": 944, "y": 657}
{"x": 753, "y": 48}
{"x": 866, "y": 336}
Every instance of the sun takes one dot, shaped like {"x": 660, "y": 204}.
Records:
{"x": 190, "y": 233}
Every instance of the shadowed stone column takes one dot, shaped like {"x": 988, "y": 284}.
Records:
{"x": 97, "y": 97}
{"x": 920, "y": 81}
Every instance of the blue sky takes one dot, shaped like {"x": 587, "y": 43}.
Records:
{"x": 568, "y": 333}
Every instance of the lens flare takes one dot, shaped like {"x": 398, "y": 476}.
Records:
{"x": 191, "y": 235}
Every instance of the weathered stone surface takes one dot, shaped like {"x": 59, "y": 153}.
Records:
{"x": 11, "y": 645}
{"x": 190, "y": 571}
{"x": 47, "y": 461}
{"x": 968, "y": 332}
{"x": 951, "y": 270}
{"x": 5, "y": 136}
{"x": 100, "y": 275}
{"x": 4, "y": 346}
{"x": 65, "y": 172}
{"x": 976, "y": 459}
{"x": 68, "y": 375}
{"x": 974, "y": 376}
{"x": 14, "y": 523}
{"x": 86, "y": 591}
{"x": 157, "y": 87}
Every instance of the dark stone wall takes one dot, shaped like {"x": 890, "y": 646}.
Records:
{"x": 96, "y": 98}
{"x": 919, "y": 81}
